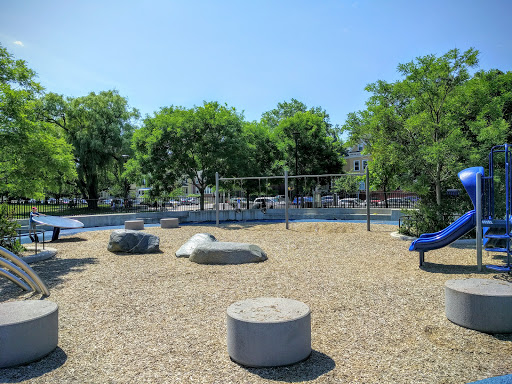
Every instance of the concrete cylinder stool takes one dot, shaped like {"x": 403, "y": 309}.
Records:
{"x": 268, "y": 332}
{"x": 134, "y": 224}
{"x": 169, "y": 223}
{"x": 28, "y": 331}
{"x": 484, "y": 305}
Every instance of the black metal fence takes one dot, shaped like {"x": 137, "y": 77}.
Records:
{"x": 75, "y": 207}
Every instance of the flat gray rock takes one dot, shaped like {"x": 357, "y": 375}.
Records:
{"x": 199, "y": 238}
{"x": 227, "y": 253}
{"x": 130, "y": 241}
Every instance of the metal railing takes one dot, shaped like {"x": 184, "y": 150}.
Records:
{"x": 228, "y": 201}
{"x": 20, "y": 273}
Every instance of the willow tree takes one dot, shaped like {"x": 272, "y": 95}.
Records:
{"x": 98, "y": 126}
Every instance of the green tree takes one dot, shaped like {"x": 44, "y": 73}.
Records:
{"x": 8, "y": 233}
{"x": 259, "y": 153}
{"x": 484, "y": 111}
{"x": 33, "y": 155}
{"x": 414, "y": 119}
{"x": 309, "y": 138}
{"x": 99, "y": 126}
{"x": 178, "y": 143}
{"x": 347, "y": 184}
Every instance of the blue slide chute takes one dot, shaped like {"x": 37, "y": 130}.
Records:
{"x": 464, "y": 224}
{"x": 430, "y": 241}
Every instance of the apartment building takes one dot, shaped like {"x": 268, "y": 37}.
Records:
{"x": 356, "y": 161}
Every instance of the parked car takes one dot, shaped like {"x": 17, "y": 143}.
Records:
{"x": 193, "y": 200}
{"x": 234, "y": 202}
{"x": 306, "y": 199}
{"x": 349, "y": 202}
{"x": 173, "y": 203}
{"x": 395, "y": 202}
{"x": 327, "y": 201}
{"x": 263, "y": 202}
{"x": 413, "y": 200}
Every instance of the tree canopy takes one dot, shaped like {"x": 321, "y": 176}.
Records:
{"x": 408, "y": 125}
{"x": 178, "y": 143}
{"x": 99, "y": 127}
{"x": 34, "y": 156}
{"x": 422, "y": 130}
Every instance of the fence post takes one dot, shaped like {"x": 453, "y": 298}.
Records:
{"x": 368, "y": 199}
{"x": 217, "y": 199}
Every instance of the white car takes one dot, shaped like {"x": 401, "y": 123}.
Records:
{"x": 260, "y": 202}
{"x": 349, "y": 202}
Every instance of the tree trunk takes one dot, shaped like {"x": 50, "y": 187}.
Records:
{"x": 438, "y": 184}
{"x": 201, "y": 199}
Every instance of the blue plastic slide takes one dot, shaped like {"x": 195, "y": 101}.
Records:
{"x": 464, "y": 224}
{"x": 430, "y": 241}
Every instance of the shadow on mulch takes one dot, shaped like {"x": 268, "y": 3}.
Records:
{"x": 316, "y": 365}
{"x": 50, "y": 362}
{"x": 453, "y": 269}
{"x": 65, "y": 240}
{"x": 51, "y": 271}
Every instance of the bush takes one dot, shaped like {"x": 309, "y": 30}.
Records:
{"x": 430, "y": 217}
{"x": 8, "y": 234}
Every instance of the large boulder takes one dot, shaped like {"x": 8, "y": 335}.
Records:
{"x": 130, "y": 241}
{"x": 199, "y": 238}
{"x": 227, "y": 253}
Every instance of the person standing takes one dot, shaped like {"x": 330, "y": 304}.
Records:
{"x": 32, "y": 224}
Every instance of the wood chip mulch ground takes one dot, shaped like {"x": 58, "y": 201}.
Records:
{"x": 376, "y": 316}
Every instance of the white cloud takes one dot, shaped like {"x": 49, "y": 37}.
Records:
{"x": 17, "y": 42}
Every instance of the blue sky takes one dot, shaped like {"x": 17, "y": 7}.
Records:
{"x": 248, "y": 54}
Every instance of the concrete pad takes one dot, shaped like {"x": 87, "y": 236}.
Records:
{"x": 134, "y": 224}
{"x": 169, "y": 223}
{"x": 28, "y": 331}
{"x": 484, "y": 305}
{"x": 268, "y": 332}
{"x": 43, "y": 254}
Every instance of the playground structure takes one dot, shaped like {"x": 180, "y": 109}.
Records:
{"x": 286, "y": 178}
{"x": 28, "y": 328}
{"x": 491, "y": 215}
{"x": 20, "y": 273}
{"x": 57, "y": 223}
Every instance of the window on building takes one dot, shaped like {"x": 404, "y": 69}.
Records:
{"x": 356, "y": 165}
{"x": 365, "y": 163}
{"x": 360, "y": 147}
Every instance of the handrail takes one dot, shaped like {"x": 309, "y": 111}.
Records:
{"x": 14, "y": 268}
{"x": 15, "y": 279}
{"x": 41, "y": 287}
